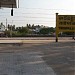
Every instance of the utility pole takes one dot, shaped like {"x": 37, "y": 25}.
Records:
{"x": 6, "y": 23}
{"x": 11, "y": 29}
{"x": 6, "y": 27}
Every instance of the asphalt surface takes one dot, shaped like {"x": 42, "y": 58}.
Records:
{"x": 33, "y": 57}
{"x": 18, "y": 59}
{"x": 61, "y": 57}
{"x": 23, "y": 63}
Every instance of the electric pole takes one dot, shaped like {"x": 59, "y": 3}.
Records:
{"x": 6, "y": 27}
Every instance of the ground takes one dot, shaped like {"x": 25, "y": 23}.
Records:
{"x": 45, "y": 55}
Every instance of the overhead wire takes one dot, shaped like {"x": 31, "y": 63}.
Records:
{"x": 33, "y": 17}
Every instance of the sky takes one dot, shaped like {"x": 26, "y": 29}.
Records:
{"x": 37, "y": 12}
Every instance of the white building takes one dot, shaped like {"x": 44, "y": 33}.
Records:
{"x": 2, "y": 27}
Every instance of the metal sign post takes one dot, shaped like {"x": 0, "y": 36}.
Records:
{"x": 56, "y": 27}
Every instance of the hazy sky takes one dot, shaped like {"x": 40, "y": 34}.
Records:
{"x": 36, "y": 12}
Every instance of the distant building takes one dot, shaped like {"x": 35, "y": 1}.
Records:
{"x": 2, "y": 29}
{"x": 36, "y": 29}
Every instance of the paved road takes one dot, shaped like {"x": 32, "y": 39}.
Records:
{"x": 13, "y": 62}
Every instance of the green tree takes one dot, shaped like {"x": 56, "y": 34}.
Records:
{"x": 28, "y": 26}
{"x": 47, "y": 30}
{"x": 1, "y": 23}
{"x": 23, "y": 30}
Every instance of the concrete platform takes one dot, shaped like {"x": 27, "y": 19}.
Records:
{"x": 37, "y": 57}
{"x": 23, "y": 63}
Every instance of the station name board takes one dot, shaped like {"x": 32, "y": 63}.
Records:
{"x": 66, "y": 23}
{"x": 66, "y": 19}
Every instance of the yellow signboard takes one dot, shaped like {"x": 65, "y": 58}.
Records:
{"x": 64, "y": 23}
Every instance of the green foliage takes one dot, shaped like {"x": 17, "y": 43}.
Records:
{"x": 7, "y": 32}
{"x": 23, "y": 30}
{"x": 47, "y": 30}
{"x": 28, "y": 30}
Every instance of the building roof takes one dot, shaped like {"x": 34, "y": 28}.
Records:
{"x": 8, "y": 3}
